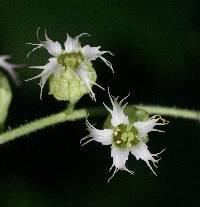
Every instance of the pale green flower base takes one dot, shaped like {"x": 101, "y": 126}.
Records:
{"x": 67, "y": 86}
{"x": 71, "y": 115}
{"x": 5, "y": 99}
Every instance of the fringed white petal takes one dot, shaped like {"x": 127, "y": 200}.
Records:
{"x": 9, "y": 67}
{"x": 50, "y": 68}
{"x": 73, "y": 44}
{"x": 54, "y": 48}
{"x": 103, "y": 136}
{"x": 92, "y": 53}
{"x": 145, "y": 127}
{"x": 140, "y": 151}
{"x": 83, "y": 74}
{"x": 118, "y": 116}
{"x": 120, "y": 156}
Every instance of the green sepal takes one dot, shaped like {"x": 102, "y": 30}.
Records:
{"x": 5, "y": 99}
{"x": 136, "y": 114}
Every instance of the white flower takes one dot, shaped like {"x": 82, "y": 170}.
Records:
{"x": 125, "y": 137}
{"x": 73, "y": 57}
{"x": 9, "y": 67}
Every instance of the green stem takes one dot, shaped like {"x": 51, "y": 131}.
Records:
{"x": 70, "y": 115}
{"x": 42, "y": 123}
{"x": 172, "y": 111}
{"x": 161, "y": 110}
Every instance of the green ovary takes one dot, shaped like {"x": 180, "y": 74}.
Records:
{"x": 125, "y": 136}
{"x": 70, "y": 60}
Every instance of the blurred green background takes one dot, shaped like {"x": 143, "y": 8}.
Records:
{"x": 157, "y": 59}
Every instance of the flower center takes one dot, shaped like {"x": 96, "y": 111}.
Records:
{"x": 125, "y": 136}
{"x": 70, "y": 60}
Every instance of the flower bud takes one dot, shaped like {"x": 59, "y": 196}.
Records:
{"x": 5, "y": 99}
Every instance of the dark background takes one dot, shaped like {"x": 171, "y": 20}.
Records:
{"x": 157, "y": 59}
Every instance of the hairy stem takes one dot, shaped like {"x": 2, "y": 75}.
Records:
{"x": 160, "y": 110}
{"x": 42, "y": 123}
{"x": 172, "y": 111}
{"x": 71, "y": 115}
